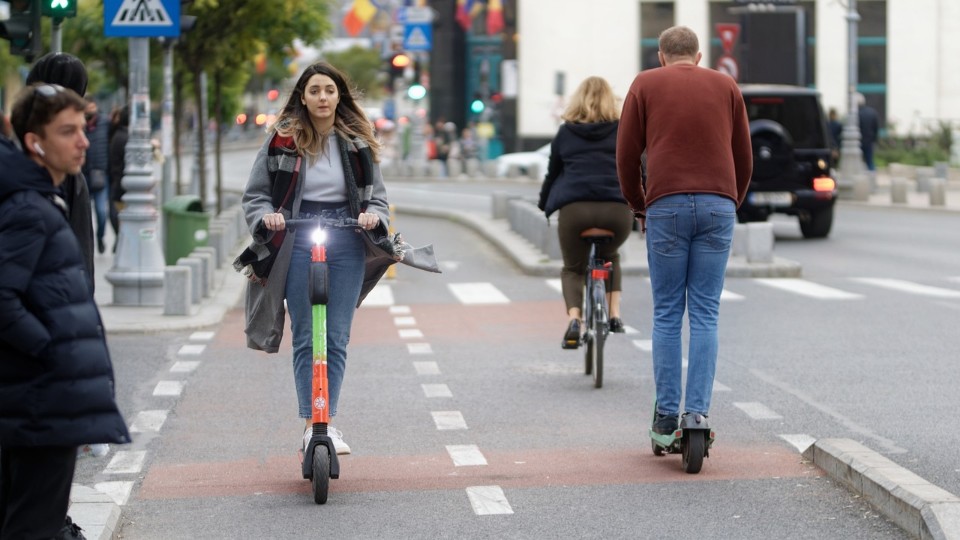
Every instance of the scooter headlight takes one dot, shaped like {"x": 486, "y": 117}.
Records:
{"x": 319, "y": 236}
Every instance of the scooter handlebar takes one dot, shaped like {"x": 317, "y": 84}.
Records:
{"x": 342, "y": 223}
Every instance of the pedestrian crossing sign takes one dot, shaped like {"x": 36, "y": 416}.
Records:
{"x": 141, "y": 18}
{"x": 417, "y": 36}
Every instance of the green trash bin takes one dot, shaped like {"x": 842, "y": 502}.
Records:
{"x": 185, "y": 227}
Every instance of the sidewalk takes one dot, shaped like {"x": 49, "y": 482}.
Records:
{"x": 922, "y": 509}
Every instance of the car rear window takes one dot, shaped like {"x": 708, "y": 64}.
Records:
{"x": 800, "y": 115}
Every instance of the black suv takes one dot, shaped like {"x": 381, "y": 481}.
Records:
{"x": 791, "y": 158}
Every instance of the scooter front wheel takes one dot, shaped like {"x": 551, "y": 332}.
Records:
{"x": 694, "y": 448}
{"x": 321, "y": 474}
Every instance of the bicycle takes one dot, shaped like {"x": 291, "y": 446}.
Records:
{"x": 595, "y": 310}
{"x": 319, "y": 466}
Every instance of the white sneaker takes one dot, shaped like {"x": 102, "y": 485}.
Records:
{"x": 335, "y": 435}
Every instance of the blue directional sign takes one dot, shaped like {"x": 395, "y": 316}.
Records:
{"x": 141, "y": 18}
{"x": 418, "y": 29}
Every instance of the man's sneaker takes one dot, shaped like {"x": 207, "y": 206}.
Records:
{"x": 665, "y": 424}
{"x": 335, "y": 435}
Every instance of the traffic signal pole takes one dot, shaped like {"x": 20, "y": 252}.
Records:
{"x": 56, "y": 37}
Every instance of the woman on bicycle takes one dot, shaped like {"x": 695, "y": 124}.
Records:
{"x": 320, "y": 160}
{"x": 581, "y": 183}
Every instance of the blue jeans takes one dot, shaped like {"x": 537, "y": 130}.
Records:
{"x": 688, "y": 243}
{"x": 345, "y": 255}
{"x": 101, "y": 200}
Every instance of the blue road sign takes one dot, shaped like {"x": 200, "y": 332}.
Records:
{"x": 418, "y": 29}
{"x": 141, "y": 18}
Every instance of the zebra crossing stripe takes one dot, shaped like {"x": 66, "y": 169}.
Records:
{"x": 118, "y": 491}
{"x": 466, "y": 455}
{"x": 191, "y": 350}
{"x": 477, "y": 293}
{"x": 419, "y": 348}
{"x": 126, "y": 462}
{"x": 436, "y": 390}
{"x": 757, "y": 411}
{"x": 201, "y": 336}
{"x": 909, "y": 287}
{"x": 168, "y": 388}
{"x": 448, "y": 420}
{"x": 426, "y": 368}
{"x": 184, "y": 366}
{"x": 148, "y": 421}
{"x": 808, "y": 288}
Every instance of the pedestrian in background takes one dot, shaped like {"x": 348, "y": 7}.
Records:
{"x": 692, "y": 122}
{"x": 95, "y": 168}
{"x": 321, "y": 160}
{"x": 869, "y": 130}
{"x": 117, "y": 158}
{"x": 68, "y": 71}
{"x": 581, "y": 183}
{"x": 56, "y": 377}
{"x": 836, "y": 134}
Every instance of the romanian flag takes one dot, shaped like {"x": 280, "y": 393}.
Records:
{"x": 358, "y": 16}
{"x": 494, "y": 17}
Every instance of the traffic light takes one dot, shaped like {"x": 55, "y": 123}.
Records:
{"x": 59, "y": 9}
{"x": 477, "y": 106}
{"x": 399, "y": 63}
{"x": 22, "y": 29}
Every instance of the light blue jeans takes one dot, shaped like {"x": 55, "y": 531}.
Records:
{"x": 688, "y": 243}
{"x": 345, "y": 254}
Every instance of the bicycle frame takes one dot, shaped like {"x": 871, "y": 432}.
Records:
{"x": 595, "y": 314}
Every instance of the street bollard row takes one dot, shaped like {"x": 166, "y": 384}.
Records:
{"x": 193, "y": 278}
{"x": 452, "y": 168}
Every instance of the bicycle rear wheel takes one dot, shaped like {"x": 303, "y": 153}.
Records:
{"x": 595, "y": 349}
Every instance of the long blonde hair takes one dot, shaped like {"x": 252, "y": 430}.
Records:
{"x": 349, "y": 119}
{"x": 592, "y": 102}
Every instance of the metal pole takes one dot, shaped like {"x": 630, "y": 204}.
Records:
{"x": 56, "y": 36}
{"x": 137, "y": 272}
{"x": 851, "y": 156}
{"x": 166, "y": 122}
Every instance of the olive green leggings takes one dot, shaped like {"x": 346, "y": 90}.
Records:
{"x": 573, "y": 219}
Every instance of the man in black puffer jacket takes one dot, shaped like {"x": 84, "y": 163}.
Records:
{"x": 56, "y": 377}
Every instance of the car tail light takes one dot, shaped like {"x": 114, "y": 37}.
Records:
{"x": 824, "y": 183}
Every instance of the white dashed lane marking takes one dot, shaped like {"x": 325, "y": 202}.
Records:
{"x": 909, "y": 287}
{"x": 380, "y": 296}
{"x": 148, "y": 421}
{"x": 488, "y": 500}
{"x": 168, "y": 388}
{"x": 426, "y": 368}
{"x": 118, "y": 491}
{"x": 477, "y": 293}
{"x": 448, "y": 420}
{"x": 466, "y": 455}
{"x": 645, "y": 345}
{"x": 201, "y": 336}
{"x": 184, "y": 366}
{"x": 757, "y": 411}
{"x": 436, "y": 390}
{"x": 419, "y": 348}
{"x": 193, "y": 349}
{"x": 409, "y": 333}
{"x": 126, "y": 462}
{"x": 808, "y": 288}
{"x": 399, "y": 310}
{"x": 405, "y": 321}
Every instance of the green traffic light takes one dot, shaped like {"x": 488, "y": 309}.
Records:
{"x": 416, "y": 92}
{"x": 477, "y": 106}
{"x": 59, "y": 8}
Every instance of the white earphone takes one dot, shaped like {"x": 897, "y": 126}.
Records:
{"x": 36, "y": 146}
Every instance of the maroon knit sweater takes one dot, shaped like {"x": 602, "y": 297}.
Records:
{"x": 693, "y": 124}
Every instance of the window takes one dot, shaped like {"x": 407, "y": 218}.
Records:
{"x": 655, "y": 17}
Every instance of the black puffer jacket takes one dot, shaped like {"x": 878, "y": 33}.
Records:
{"x": 583, "y": 166}
{"x": 56, "y": 378}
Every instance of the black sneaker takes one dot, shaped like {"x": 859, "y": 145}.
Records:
{"x": 571, "y": 339}
{"x": 665, "y": 424}
{"x": 616, "y": 325}
{"x": 70, "y": 531}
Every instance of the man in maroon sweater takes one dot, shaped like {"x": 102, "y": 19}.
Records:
{"x": 693, "y": 125}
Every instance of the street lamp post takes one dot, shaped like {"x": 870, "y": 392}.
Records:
{"x": 851, "y": 156}
{"x": 137, "y": 272}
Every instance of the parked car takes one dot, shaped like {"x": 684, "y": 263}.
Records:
{"x": 525, "y": 161}
{"x": 791, "y": 158}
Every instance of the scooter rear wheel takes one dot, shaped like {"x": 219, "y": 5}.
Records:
{"x": 321, "y": 474}
{"x": 693, "y": 450}
{"x": 657, "y": 449}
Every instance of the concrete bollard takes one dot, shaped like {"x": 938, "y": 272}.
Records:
{"x": 760, "y": 242}
{"x": 898, "y": 190}
{"x": 489, "y": 168}
{"x": 513, "y": 171}
{"x": 454, "y": 167}
{"x": 924, "y": 175}
{"x": 941, "y": 169}
{"x": 209, "y": 281}
{"x": 213, "y": 255}
{"x": 938, "y": 192}
{"x": 551, "y": 242}
{"x": 499, "y": 200}
{"x": 216, "y": 241}
{"x": 177, "y": 294}
{"x": 435, "y": 168}
{"x": 472, "y": 167}
{"x": 534, "y": 172}
{"x": 196, "y": 277}
{"x": 739, "y": 246}
{"x": 861, "y": 187}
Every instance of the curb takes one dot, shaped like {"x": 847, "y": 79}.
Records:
{"x": 917, "y": 506}
{"x": 532, "y": 261}
{"x": 96, "y": 513}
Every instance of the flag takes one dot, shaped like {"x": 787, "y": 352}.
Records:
{"x": 358, "y": 16}
{"x": 464, "y": 17}
{"x": 494, "y": 17}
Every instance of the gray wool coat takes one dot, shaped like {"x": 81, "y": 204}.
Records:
{"x": 264, "y": 308}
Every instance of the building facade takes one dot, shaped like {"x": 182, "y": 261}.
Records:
{"x": 906, "y": 49}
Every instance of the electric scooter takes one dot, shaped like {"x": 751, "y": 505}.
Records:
{"x": 692, "y": 439}
{"x": 318, "y": 460}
